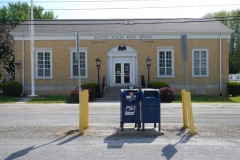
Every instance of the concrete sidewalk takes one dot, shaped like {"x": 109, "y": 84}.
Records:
{"x": 24, "y": 100}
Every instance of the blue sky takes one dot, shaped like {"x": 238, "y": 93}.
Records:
{"x": 89, "y": 9}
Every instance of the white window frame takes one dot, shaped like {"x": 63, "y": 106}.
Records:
{"x": 207, "y": 61}
{"x": 85, "y": 50}
{"x": 44, "y": 50}
{"x": 165, "y": 49}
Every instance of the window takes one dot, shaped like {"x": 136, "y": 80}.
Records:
{"x": 200, "y": 62}
{"x": 44, "y": 63}
{"x": 83, "y": 63}
{"x": 165, "y": 62}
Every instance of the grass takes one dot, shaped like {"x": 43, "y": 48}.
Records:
{"x": 8, "y": 99}
{"x": 70, "y": 132}
{"x": 51, "y": 99}
{"x": 66, "y": 99}
{"x": 211, "y": 99}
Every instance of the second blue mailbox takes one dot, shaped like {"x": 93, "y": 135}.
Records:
{"x": 150, "y": 107}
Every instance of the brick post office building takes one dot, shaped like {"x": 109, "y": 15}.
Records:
{"x": 123, "y": 46}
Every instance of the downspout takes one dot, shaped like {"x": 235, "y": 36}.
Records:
{"x": 220, "y": 63}
{"x": 23, "y": 49}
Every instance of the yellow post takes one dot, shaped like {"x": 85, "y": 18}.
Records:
{"x": 190, "y": 113}
{"x": 81, "y": 113}
{"x": 184, "y": 109}
{"x": 86, "y": 110}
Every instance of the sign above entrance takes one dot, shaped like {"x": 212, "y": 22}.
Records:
{"x": 122, "y": 37}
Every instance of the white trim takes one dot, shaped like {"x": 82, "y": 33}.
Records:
{"x": 220, "y": 64}
{"x": 207, "y": 52}
{"x": 82, "y": 49}
{"x": 130, "y": 55}
{"x": 37, "y": 50}
{"x": 124, "y": 37}
{"x": 165, "y": 49}
{"x": 43, "y": 49}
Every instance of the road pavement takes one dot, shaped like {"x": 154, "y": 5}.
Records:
{"x": 50, "y": 131}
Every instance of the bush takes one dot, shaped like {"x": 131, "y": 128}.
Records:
{"x": 12, "y": 88}
{"x": 143, "y": 83}
{"x": 233, "y": 88}
{"x": 91, "y": 87}
{"x": 158, "y": 85}
{"x": 166, "y": 94}
{"x": 75, "y": 95}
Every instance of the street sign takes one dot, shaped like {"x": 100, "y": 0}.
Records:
{"x": 184, "y": 47}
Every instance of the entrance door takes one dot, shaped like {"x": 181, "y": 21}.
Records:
{"x": 122, "y": 67}
{"x": 122, "y": 73}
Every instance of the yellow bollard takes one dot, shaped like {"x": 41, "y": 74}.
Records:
{"x": 184, "y": 109}
{"x": 81, "y": 113}
{"x": 86, "y": 110}
{"x": 190, "y": 113}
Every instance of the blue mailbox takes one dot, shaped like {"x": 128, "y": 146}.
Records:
{"x": 130, "y": 107}
{"x": 150, "y": 107}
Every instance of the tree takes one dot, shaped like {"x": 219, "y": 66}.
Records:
{"x": 231, "y": 19}
{"x": 11, "y": 16}
{"x": 6, "y": 51}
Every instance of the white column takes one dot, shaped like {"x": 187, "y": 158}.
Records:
{"x": 32, "y": 52}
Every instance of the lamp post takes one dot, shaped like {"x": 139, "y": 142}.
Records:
{"x": 98, "y": 64}
{"x": 148, "y": 62}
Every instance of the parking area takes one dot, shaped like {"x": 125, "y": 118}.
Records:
{"x": 49, "y": 131}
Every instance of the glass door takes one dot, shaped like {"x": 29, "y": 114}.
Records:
{"x": 126, "y": 72}
{"x": 118, "y": 73}
{"x": 122, "y": 73}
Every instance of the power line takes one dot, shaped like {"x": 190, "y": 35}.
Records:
{"x": 127, "y": 8}
{"x": 123, "y": 21}
{"x": 85, "y": 1}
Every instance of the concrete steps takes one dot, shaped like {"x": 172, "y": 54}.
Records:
{"x": 112, "y": 93}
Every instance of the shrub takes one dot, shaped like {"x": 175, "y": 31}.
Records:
{"x": 98, "y": 91}
{"x": 159, "y": 85}
{"x": 12, "y": 88}
{"x": 75, "y": 95}
{"x": 233, "y": 88}
{"x": 91, "y": 87}
{"x": 166, "y": 94}
{"x": 143, "y": 83}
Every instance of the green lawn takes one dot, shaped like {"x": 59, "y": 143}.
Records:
{"x": 66, "y": 99}
{"x": 51, "y": 99}
{"x": 8, "y": 99}
{"x": 211, "y": 99}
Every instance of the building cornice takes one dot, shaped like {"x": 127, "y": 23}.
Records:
{"x": 123, "y": 36}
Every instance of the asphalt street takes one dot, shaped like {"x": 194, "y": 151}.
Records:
{"x": 50, "y": 131}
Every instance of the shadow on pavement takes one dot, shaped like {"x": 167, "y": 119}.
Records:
{"x": 19, "y": 153}
{"x": 129, "y": 136}
{"x": 170, "y": 150}
{"x": 25, "y": 151}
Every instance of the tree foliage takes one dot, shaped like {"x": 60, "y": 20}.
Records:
{"x": 11, "y": 16}
{"x": 16, "y": 13}
{"x": 232, "y": 20}
{"x": 6, "y": 51}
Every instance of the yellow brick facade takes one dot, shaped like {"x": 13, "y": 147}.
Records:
{"x": 61, "y": 82}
